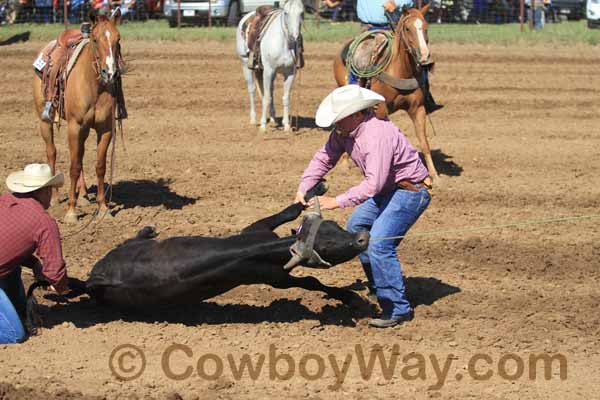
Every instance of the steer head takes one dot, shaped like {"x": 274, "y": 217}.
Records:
{"x": 323, "y": 243}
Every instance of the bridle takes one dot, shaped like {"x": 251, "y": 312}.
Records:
{"x": 293, "y": 43}
{"x": 402, "y": 25}
{"x": 96, "y": 63}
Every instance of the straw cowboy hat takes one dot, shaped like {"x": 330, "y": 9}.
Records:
{"x": 344, "y": 101}
{"x": 33, "y": 177}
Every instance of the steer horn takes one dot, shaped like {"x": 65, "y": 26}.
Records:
{"x": 317, "y": 206}
{"x": 294, "y": 261}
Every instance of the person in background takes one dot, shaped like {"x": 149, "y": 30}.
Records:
{"x": 336, "y": 6}
{"x": 29, "y": 237}
{"x": 371, "y": 13}
{"x": 388, "y": 201}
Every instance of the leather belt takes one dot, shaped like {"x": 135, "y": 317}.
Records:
{"x": 414, "y": 187}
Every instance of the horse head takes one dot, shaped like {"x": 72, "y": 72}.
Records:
{"x": 412, "y": 29}
{"x": 293, "y": 14}
{"x": 105, "y": 39}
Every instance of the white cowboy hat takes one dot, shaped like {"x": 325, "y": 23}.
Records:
{"x": 344, "y": 101}
{"x": 33, "y": 177}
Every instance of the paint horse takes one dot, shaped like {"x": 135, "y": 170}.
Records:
{"x": 397, "y": 82}
{"x": 279, "y": 51}
{"x": 89, "y": 101}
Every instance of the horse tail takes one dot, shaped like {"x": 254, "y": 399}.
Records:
{"x": 258, "y": 79}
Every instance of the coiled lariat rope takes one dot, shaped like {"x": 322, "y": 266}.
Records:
{"x": 377, "y": 68}
{"x": 490, "y": 227}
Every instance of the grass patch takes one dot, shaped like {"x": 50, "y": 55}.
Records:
{"x": 563, "y": 33}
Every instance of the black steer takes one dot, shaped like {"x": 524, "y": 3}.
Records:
{"x": 142, "y": 271}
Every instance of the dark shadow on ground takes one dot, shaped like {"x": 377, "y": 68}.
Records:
{"x": 300, "y": 122}
{"x": 145, "y": 193}
{"x": 85, "y": 312}
{"x": 19, "y": 37}
{"x": 444, "y": 164}
{"x": 423, "y": 291}
{"x": 420, "y": 290}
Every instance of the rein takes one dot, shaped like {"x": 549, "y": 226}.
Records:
{"x": 409, "y": 49}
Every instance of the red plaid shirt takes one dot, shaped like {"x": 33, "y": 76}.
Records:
{"x": 26, "y": 228}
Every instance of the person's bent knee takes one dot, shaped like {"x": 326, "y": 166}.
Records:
{"x": 353, "y": 225}
{"x": 380, "y": 248}
{"x": 11, "y": 332}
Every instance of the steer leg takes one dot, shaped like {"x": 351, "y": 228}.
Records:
{"x": 290, "y": 213}
{"x": 311, "y": 283}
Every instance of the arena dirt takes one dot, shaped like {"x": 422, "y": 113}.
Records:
{"x": 518, "y": 140}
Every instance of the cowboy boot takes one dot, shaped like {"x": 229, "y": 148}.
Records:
{"x": 48, "y": 112}
{"x": 430, "y": 104}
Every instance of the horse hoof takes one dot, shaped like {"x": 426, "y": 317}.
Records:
{"x": 70, "y": 218}
{"x": 287, "y": 128}
{"x": 104, "y": 214}
{"x": 263, "y": 128}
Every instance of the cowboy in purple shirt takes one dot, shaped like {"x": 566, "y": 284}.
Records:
{"x": 389, "y": 200}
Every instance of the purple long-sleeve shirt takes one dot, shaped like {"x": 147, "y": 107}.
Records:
{"x": 379, "y": 149}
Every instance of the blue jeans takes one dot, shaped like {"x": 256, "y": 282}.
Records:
{"x": 388, "y": 214}
{"x": 12, "y": 298}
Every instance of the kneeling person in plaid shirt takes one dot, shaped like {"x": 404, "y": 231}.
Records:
{"x": 28, "y": 237}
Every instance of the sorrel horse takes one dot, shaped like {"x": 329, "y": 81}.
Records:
{"x": 278, "y": 52}
{"x": 410, "y": 52}
{"x": 89, "y": 102}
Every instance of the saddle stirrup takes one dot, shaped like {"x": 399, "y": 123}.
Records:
{"x": 48, "y": 113}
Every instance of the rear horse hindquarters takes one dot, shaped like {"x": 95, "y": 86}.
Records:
{"x": 280, "y": 40}
{"x": 89, "y": 102}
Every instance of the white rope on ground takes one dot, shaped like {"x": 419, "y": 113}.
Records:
{"x": 490, "y": 227}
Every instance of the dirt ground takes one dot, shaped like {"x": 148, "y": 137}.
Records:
{"x": 518, "y": 140}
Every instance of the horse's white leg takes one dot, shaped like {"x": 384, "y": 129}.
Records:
{"x": 272, "y": 112}
{"x": 249, "y": 76}
{"x": 288, "y": 82}
{"x": 267, "y": 99}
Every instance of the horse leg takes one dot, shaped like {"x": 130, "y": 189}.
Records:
{"x": 272, "y": 113}
{"x": 82, "y": 190}
{"x": 340, "y": 73}
{"x": 47, "y": 133}
{"x": 267, "y": 96}
{"x": 249, "y": 76}
{"x": 104, "y": 137}
{"x": 418, "y": 119}
{"x": 77, "y": 136}
{"x": 288, "y": 82}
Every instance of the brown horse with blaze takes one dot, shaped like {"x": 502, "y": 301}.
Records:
{"x": 90, "y": 101}
{"x": 410, "y": 53}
